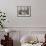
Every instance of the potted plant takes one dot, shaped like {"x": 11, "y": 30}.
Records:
{"x": 2, "y": 19}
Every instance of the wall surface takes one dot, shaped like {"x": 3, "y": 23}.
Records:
{"x": 38, "y": 13}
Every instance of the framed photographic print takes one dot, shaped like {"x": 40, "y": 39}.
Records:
{"x": 23, "y": 11}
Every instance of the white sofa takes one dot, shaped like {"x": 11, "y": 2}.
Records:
{"x": 25, "y": 39}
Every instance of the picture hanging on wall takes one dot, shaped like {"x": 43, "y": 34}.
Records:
{"x": 23, "y": 11}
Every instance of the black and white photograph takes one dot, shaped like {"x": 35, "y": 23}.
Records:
{"x": 23, "y": 11}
